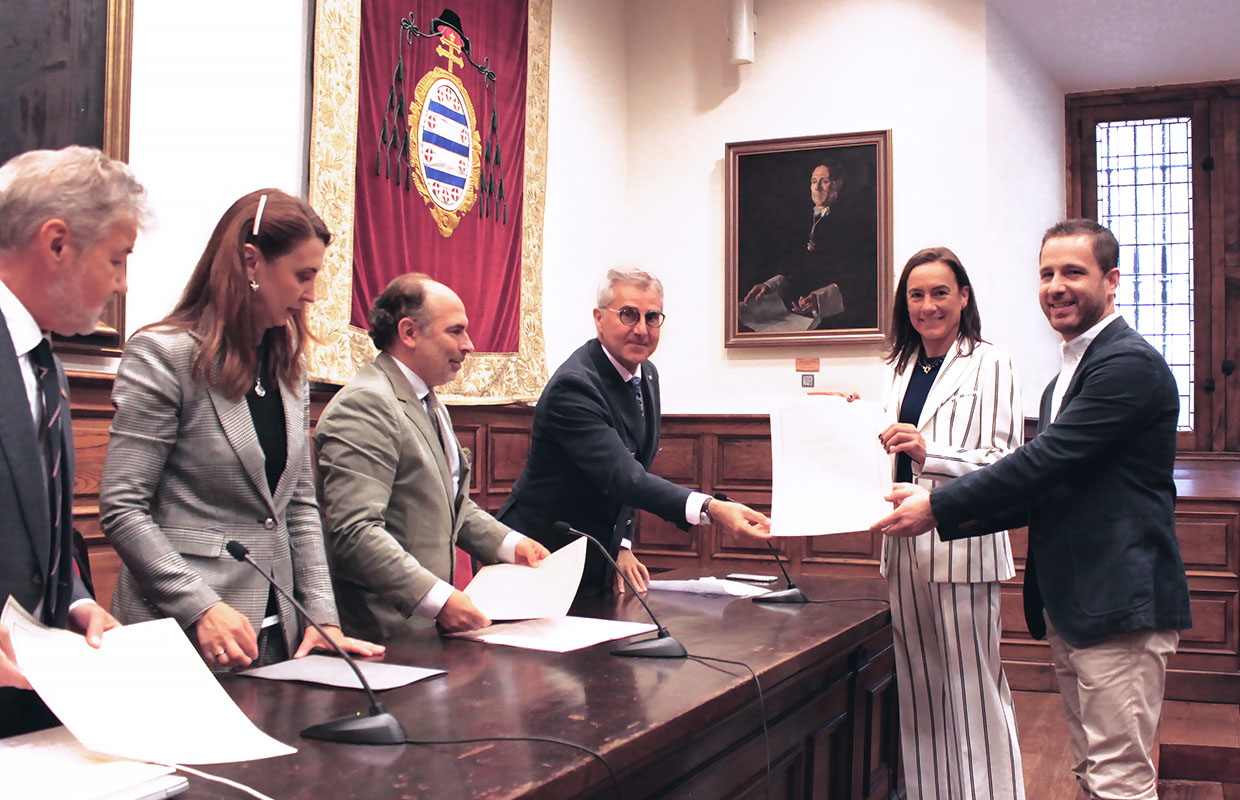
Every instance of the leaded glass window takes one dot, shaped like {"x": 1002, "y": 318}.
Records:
{"x": 1145, "y": 195}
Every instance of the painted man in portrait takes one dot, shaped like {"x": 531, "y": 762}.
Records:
{"x": 826, "y": 260}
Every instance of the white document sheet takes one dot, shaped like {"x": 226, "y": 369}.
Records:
{"x": 710, "y": 586}
{"x": 511, "y": 591}
{"x": 334, "y": 671}
{"x": 829, "y": 472}
{"x": 145, "y": 694}
{"x": 557, "y": 634}
{"x": 52, "y": 765}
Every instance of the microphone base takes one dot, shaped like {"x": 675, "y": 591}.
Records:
{"x": 371, "y": 729}
{"x": 793, "y": 595}
{"x": 663, "y": 647}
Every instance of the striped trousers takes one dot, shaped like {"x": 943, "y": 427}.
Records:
{"x": 957, "y": 724}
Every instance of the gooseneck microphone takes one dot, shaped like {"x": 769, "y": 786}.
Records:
{"x": 664, "y": 645}
{"x": 377, "y": 727}
{"x": 790, "y": 595}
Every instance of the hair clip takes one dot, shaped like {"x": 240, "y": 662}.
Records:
{"x": 258, "y": 217}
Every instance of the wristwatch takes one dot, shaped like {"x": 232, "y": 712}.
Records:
{"x": 704, "y": 514}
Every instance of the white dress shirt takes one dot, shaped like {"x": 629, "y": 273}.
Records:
{"x": 435, "y": 599}
{"x": 1070, "y": 354}
{"x": 696, "y": 500}
{"x": 26, "y": 336}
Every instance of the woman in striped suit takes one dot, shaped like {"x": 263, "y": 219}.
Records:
{"x": 954, "y": 407}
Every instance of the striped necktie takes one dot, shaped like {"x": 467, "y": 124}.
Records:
{"x": 432, "y": 410}
{"x": 443, "y": 429}
{"x": 52, "y": 433}
{"x": 636, "y": 383}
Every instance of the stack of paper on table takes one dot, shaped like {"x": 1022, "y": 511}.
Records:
{"x": 558, "y": 634}
{"x": 541, "y": 596}
{"x": 710, "y": 586}
{"x": 829, "y": 471}
{"x": 145, "y": 694}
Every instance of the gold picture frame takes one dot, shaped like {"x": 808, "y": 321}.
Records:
{"x": 342, "y": 349}
{"x": 109, "y": 335}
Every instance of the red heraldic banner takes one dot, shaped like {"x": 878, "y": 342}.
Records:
{"x": 441, "y": 156}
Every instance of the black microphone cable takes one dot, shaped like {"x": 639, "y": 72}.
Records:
{"x": 766, "y": 737}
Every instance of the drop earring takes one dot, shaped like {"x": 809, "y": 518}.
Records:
{"x": 253, "y": 286}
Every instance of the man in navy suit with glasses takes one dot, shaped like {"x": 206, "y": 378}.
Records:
{"x": 595, "y": 434}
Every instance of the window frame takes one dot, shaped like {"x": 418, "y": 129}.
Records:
{"x": 1201, "y": 104}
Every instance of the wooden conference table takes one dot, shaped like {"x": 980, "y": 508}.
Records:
{"x": 669, "y": 728}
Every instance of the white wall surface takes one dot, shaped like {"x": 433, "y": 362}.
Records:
{"x": 1025, "y": 196}
{"x": 586, "y": 224}
{"x": 218, "y": 109}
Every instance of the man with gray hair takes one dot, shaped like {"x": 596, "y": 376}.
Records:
{"x": 394, "y": 482}
{"x": 596, "y": 432}
{"x": 68, "y": 220}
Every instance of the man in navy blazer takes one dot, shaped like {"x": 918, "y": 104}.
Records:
{"x": 68, "y": 220}
{"x": 595, "y": 434}
{"x": 1095, "y": 488}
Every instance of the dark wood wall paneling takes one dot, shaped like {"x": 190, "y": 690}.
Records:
{"x": 732, "y": 454}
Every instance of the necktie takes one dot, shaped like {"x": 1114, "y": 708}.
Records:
{"x": 439, "y": 418}
{"x": 52, "y": 433}
{"x": 636, "y": 383}
{"x": 432, "y": 409}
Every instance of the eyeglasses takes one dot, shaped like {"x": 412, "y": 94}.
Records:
{"x": 629, "y": 316}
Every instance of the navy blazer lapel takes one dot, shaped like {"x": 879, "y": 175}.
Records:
{"x": 19, "y": 441}
{"x": 238, "y": 425}
{"x": 1105, "y": 337}
{"x": 1044, "y": 408}
{"x": 650, "y": 400}
{"x": 618, "y": 394}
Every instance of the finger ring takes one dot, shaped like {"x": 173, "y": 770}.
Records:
{"x": 220, "y": 653}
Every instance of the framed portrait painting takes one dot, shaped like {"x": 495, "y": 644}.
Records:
{"x": 67, "y": 82}
{"x": 808, "y": 240}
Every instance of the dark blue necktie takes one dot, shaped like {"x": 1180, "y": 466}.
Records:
{"x": 636, "y": 383}
{"x": 52, "y": 433}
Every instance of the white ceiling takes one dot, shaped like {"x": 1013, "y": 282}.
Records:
{"x": 1089, "y": 45}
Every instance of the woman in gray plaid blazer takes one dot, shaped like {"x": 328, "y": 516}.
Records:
{"x": 210, "y": 443}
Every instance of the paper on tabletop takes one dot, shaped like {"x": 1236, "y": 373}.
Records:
{"x": 557, "y": 634}
{"x": 145, "y": 694}
{"x": 52, "y": 765}
{"x": 709, "y": 586}
{"x": 335, "y": 671}
{"x": 513, "y": 591}
{"x": 829, "y": 472}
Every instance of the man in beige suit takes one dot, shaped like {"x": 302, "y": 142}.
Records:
{"x": 394, "y": 480}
